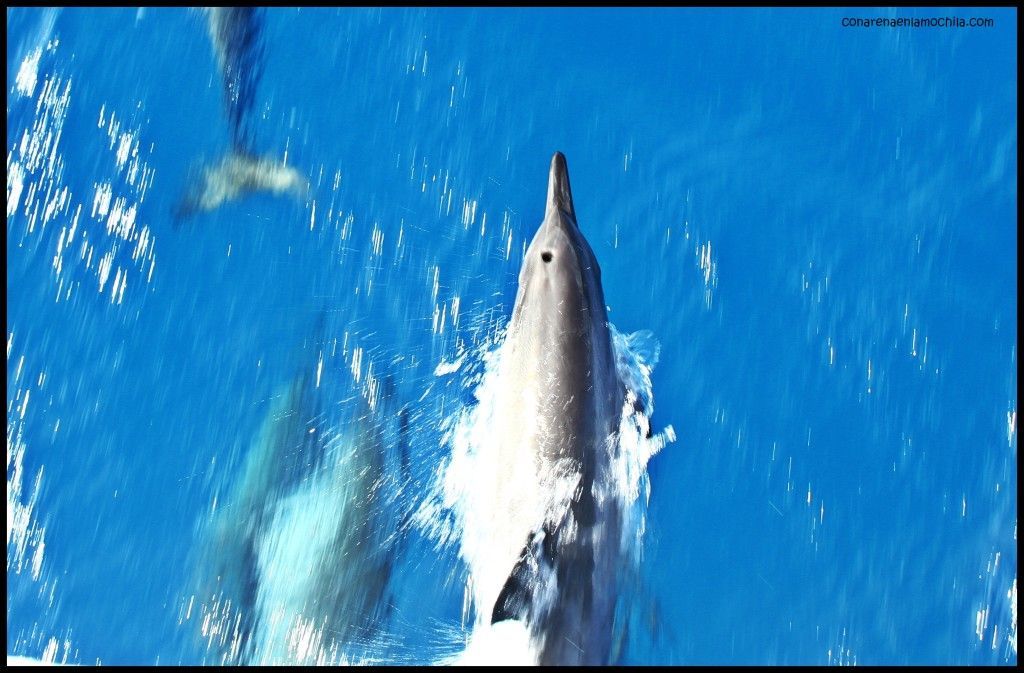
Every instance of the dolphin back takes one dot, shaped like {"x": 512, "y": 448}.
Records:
{"x": 237, "y": 37}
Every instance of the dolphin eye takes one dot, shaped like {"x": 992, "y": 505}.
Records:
{"x": 546, "y": 256}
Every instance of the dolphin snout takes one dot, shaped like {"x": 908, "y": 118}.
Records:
{"x": 559, "y": 192}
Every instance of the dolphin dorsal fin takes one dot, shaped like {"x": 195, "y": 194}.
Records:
{"x": 516, "y": 598}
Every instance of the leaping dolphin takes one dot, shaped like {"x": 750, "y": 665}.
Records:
{"x": 559, "y": 428}
{"x": 235, "y": 33}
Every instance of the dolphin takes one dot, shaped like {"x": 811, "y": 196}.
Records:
{"x": 236, "y": 35}
{"x": 558, "y": 432}
{"x": 299, "y": 550}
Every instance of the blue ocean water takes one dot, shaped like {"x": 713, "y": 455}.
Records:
{"x": 816, "y": 222}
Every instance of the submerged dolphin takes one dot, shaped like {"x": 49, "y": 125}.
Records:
{"x": 236, "y": 36}
{"x": 300, "y": 549}
{"x": 560, "y": 421}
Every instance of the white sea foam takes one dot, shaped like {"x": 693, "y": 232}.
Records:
{"x": 507, "y": 643}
